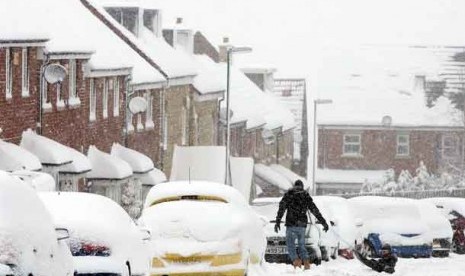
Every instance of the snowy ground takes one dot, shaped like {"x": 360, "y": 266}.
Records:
{"x": 452, "y": 266}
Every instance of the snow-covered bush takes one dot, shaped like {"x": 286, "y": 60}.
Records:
{"x": 130, "y": 199}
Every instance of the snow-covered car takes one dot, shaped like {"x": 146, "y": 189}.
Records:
{"x": 453, "y": 209}
{"x": 40, "y": 181}
{"x": 276, "y": 249}
{"x": 202, "y": 228}
{"x": 393, "y": 221}
{"x": 29, "y": 242}
{"x": 104, "y": 240}
{"x": 438, "y": 225}
{"x": 341, "y": 237}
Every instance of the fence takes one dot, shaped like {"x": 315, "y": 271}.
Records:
{"x": 411, "y": 194}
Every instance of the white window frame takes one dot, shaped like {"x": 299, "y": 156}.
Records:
{"x": 405, "y": 144}
{"x": 72, "y": 78}
{"x": 8, "y": 74}
{"x": 443, "y": 146}
{"x": 149, "y": 112}
{"x": 24, "y": 73}
{"x": 345, "y": 143}
{"x": 105, "y": 99}
{"x": 129, "y": 125}
{"x": 140, "y": 126}
{"x": 116, "y": 97}
{"x": 92, "y": 101}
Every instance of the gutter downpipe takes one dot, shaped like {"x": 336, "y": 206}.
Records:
{"x": 127, "y": 94}
{"x": 162, "y": 123}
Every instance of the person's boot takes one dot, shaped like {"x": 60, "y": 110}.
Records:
{"x": 306, "y": 264}
{"x": 297, "y": 263}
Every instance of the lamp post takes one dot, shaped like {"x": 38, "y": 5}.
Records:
{"x": 230, "y": 51}
{"x": 316, "y": 102}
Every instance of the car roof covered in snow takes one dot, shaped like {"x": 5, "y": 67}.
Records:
{"x": 40, "y": 181}
{"x": 451, "y": 203}
{"x": 194, "y": 188}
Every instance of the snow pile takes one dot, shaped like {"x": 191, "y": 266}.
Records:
{"x": 268, "y": 208}
{"x": 13, "y": 157}
{"x": 290, "y": 175}
{"x": 95, "y": 265}
{"x": 139, "y": 162}
{"x": 106, "y": 166}
{"x": 438, "y": 225}
{"x": 80, "y": 163}
{"x": 448, "y": 204}
{"x": 99, "y": 220}
{"x": 48, "y": 151}
{"x": 271, "y": 176}
{"x": 27, "y": 234}
{"x": 41, "y": 182}
{"x": 242, "y": 175}
{"x": 190, "y": 163}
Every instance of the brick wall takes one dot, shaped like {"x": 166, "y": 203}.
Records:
{"x": 379, "y": 148}
{"x": 203, "y": 47}
{"x": 19, "y": 113}
{"x": 147, "y": 140}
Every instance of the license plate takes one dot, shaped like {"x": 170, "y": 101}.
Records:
{"x": 276, "y": 250}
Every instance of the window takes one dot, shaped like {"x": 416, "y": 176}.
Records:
{"x": 287, "y": 93}
{"x": 72, "y": 78}
{"x": 8, "y": 74}
{"x": 105, "y": 98}
{"x": 25, "y": 73}
{"x": 92, "y": 101}
{"x": 140, "y": 126}
{"x": 129, "y": 126}
{"x": 403, "y": 145}
{"x": 149, "y": 112}
{"x": 352, "y": 144}
{"x": 116, "y": 97}
{"x": 450, "y": 146}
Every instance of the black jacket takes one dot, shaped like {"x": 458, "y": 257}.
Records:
{"x": 297, "y": 202}
{"x": 386, "y": 264}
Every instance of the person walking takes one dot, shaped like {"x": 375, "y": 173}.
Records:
{"x": 296, "y": 202}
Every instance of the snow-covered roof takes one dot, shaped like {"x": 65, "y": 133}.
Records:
{"x": 375, "y": 82}
{"x": 190, "y": 163}
{"x": 153, "y": 177}
{"x": 48, "y": 151}
{"x": 273, "y": 177}
{"x": 53, "y": 153}
{"x": 258, "y": 107}
{"x": 290, "y": 175}
{"x": 210, "y": 77}
{"x": 349, "y": 176}
{"x": 242, "y": 175}
{"x": 106, "y": 166}
{"x": 13, "y": 157}
{"x": 139, "y": 162}
{"x": 90, "y": 35}
{"x": 200, "y": 188}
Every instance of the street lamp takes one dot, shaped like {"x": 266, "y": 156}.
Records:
{"x": 230, "y": 51}
{"x": 315, "y": 141}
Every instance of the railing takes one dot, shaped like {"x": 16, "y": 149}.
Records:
{"x": 411, "y": 194}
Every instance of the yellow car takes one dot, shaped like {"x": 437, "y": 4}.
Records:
{"x": 202, "y": 228}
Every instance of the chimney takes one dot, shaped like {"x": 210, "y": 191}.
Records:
{"x": 223, "y": 53}
{"x": 179, "y": 21}
{"x": 419, "y": 84}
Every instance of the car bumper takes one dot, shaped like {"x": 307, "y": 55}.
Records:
{"x": 234, "y": 272}
{"x": 96, "y": 266}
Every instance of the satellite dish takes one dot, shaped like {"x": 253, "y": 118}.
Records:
{"x": 137, "y": 105}
{"x": 55, "y": 73}
{"x": 268, "y": 136}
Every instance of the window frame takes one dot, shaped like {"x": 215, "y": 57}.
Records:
{"x": 24, "y": 72}
{"x": 116, "y": 88}
{"x": 8, "y": 74}
{"x": 443, "y": 147}
{"x": 149, "y": 112}
{"x": 403, "y": 144}
{"x": 345, "y": 143}
{"x": 105, "y": 99}
{"x": 92, "y": 100}
{"x": 72, "y": 92}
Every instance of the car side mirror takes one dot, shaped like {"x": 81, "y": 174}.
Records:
{"x": 358, "y": 222}
{"x": 62, "y": 234}
{"x": 146, "y": 233}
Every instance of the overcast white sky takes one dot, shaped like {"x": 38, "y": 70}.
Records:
{"x": 290, "y": 34}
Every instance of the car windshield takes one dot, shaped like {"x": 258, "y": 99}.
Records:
{"x": 191, "y": 198}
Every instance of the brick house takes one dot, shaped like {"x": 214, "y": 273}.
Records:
{"x": 395, "y": 129}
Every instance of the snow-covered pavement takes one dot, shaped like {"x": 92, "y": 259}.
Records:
{"x": 452, "y": 266}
